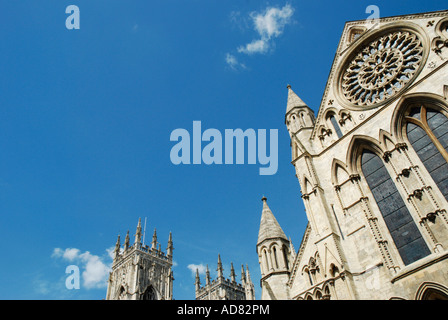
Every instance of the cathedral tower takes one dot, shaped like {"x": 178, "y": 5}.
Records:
{"x": 273, "y": 248}
{"x": 222, "y": 288}
{"x": 141, "y": 272}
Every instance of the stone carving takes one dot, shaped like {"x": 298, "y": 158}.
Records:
{"x": 441, "y": 42}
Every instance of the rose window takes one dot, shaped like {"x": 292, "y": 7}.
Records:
{"x": 382, "y": 68}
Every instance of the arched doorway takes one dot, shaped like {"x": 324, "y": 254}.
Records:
{"x": 432, "y": 291}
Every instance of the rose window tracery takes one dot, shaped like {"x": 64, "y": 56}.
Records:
{"x": 382, "y": 68}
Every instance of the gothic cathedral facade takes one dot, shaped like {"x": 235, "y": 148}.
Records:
{"x": 373, "y": 171}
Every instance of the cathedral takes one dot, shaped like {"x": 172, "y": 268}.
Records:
{"x": 373, "y": 171}
{"x": 372, "y": 166}
{"x": 143, "y": 272}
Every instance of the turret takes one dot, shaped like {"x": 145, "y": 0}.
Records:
{"x": 207, "y": 276}
{"x": 249, "y": 286}
{"x": 232, "y": 273}
{"x": 243, "y": 275}
{"x": 197, "y": 281}
{"x": 299, "y": 120}
{"x": 273, "y": 253}
{"x": 154, "y": 240}
{"x": 298, "y": 115}
{"x": 220, "y": 269}
{"x": 117, "y": 247}
{"x": 170, "y": 248}
{"x": 126, "y": 241}
{"x": 138, "y": 233}
{"x": 292, "y": 251}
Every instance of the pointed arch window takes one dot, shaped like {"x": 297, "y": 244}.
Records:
{"x": 403, "y": 230}
{"x": 266, "y": 265}
{"x": 335, "y": 124}
{"x": 285, "y": 257}
{"x": 307, "y": 271}
{"x": 149, "y": 294}
{"x": 427, "y": 131}
{"x": 274, "y": 252}
{"x": 302, "y": 119}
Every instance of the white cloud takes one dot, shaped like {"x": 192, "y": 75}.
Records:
{"x": 200, "y": 267}
{"x": 256, "y": 46}
{"x": 269, "y": 24}
{"x": 111, "y": 252}
{"x": 272, "y": 22}
{"x": 96, "y": 269}
{"x": 233, "y": 63}
{"x": 69, "y": 254}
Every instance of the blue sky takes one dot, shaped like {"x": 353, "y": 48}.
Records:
{"x": 86, "y": 117}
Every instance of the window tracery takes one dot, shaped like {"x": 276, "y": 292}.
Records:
{"x": 382, "y": 68}
{"x": 427, "y": 131}
{"x": 404, "y": 232}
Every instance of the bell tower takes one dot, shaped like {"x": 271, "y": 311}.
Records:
{"x": 141, "y": 272}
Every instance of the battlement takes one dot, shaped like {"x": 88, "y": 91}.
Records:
{"x": 223, "y": 288}
{"x": 154, "y": 250}
{"x": 155, "y": 253}
{"x": 151, "y": 279}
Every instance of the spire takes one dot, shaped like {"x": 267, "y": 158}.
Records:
{"x": 243, "y": 275}
{"x": 269, "y": 227}
{"x": 250, "y": 290}
{"x": 293, "y": 100}
{"x": 248, "y": 274}
{"x": 154, "y": 240}
{"x": 126, "y": 241}
{"x": 207, "y": 276}
{"x": 170, "y": 248}
{"x": 197, "y": 281}
{"x": 219, "y": 269}
{"x": 117, "y": 244}
{"x": 292, "y": 250}
{"x": 138, "y": 232}
{"x": 117, "y": 247}
{"x": 232, "y": 273}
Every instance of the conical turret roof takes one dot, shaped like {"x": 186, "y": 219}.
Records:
{"x": 269, "y": 227}
{"x": 293, "y": 100}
